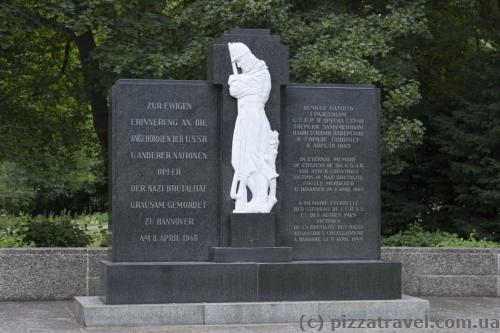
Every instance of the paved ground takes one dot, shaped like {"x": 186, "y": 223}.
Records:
{"x": 57, "y": 317}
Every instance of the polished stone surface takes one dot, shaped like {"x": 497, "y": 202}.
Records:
{"x": 58, "y": 317}
{"x": 330, "y": 280}
{"x": 135, "y": 283}
{"x": 253, "y": 230}
{"x": 252, "y": 254}
{"x": 331, "y": 190}
{"x": 164, "y": 155}
{"x": 179, "y": 282}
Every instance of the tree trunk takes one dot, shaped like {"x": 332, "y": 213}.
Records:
{"x": 98, "y": 102}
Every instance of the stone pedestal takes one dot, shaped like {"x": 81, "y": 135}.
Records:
{"x": 252, "y": 254}
{"x": 191, "y": 282}
{"x": 252, "y": 239}
{"x": 253, "y": 230}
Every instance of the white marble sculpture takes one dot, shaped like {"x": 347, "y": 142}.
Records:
{"x": 255, "y": 145}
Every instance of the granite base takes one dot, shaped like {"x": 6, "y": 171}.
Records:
{"x": 252, "y": 254}
{"x": 249, "y": 230}
{"x": 192, "y": 282}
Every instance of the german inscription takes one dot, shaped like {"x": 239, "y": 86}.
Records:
{"x": 165, "y": 146}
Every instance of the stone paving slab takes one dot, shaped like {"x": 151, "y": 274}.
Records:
{"x": 57, "y": 317}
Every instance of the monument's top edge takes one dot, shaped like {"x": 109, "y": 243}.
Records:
{"x": 236, "y": 34}
{"x": 240, "y": 31}
{"x": 247, "y": 36}
{"x": 172, "y": 263}
{"x": 159, "y": 81}
{"x": 332, "y": 85}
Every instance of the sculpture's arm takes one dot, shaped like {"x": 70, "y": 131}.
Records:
{"x": 236, "y": 77}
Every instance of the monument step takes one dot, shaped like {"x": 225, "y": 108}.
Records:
{"x": 252, "y": 254}
{"x": 91, "y": 311}
{"x": 191, "y": 282}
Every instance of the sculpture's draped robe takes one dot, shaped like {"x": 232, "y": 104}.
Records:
{"x": 251, "y": 150}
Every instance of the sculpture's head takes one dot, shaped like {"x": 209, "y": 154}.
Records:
{"x": 243, "y": 57}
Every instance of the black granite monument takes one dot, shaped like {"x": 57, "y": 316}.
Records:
{"x": 175, "y": 238}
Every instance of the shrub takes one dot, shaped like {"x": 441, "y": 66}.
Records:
{"x": 55, "y": 231}
{"x": 105, "y": 239}
{"x": 13, "y": 241}
{"x": 11, "y": 231}
{"x": 416, "y": 236}
{"x": 97, "y": 227}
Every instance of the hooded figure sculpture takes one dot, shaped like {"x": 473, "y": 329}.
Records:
{"x": 255, "y": 145}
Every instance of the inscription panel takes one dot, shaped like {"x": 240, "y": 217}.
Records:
{"x": 331, "y": 196}
{"x": 165, "y": 191}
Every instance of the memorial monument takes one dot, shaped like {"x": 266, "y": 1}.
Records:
{"x": 245, "y": 187}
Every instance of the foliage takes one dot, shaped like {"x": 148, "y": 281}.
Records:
{"x": 453, "y": 183}
{"x": 11, "y": 231}
{"x": 415, "y": 236}
{"x": 330, "y": 41}
{"x": 59, "y": 230}
{"x": 10, "y": 241}
{"x": 436, "y": 62}
{"x": 97, "y": 228}
{"x": 372, "y": 44}
{"x": 49, "y": 157}
{"x": 53, "y": 185}
{"x": 50, "y": 79}
{"x": 55, "y": 231}
{"x": 15, "y": 192}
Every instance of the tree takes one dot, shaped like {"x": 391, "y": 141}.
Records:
{"x": 61, "y": 57}
{"x": 91, "y": 26}
{"x": 58, "y": 61}
{"x": 436, "y": 63}
{"x": 330, "y": 41}
{"x": 453, "y": 183}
